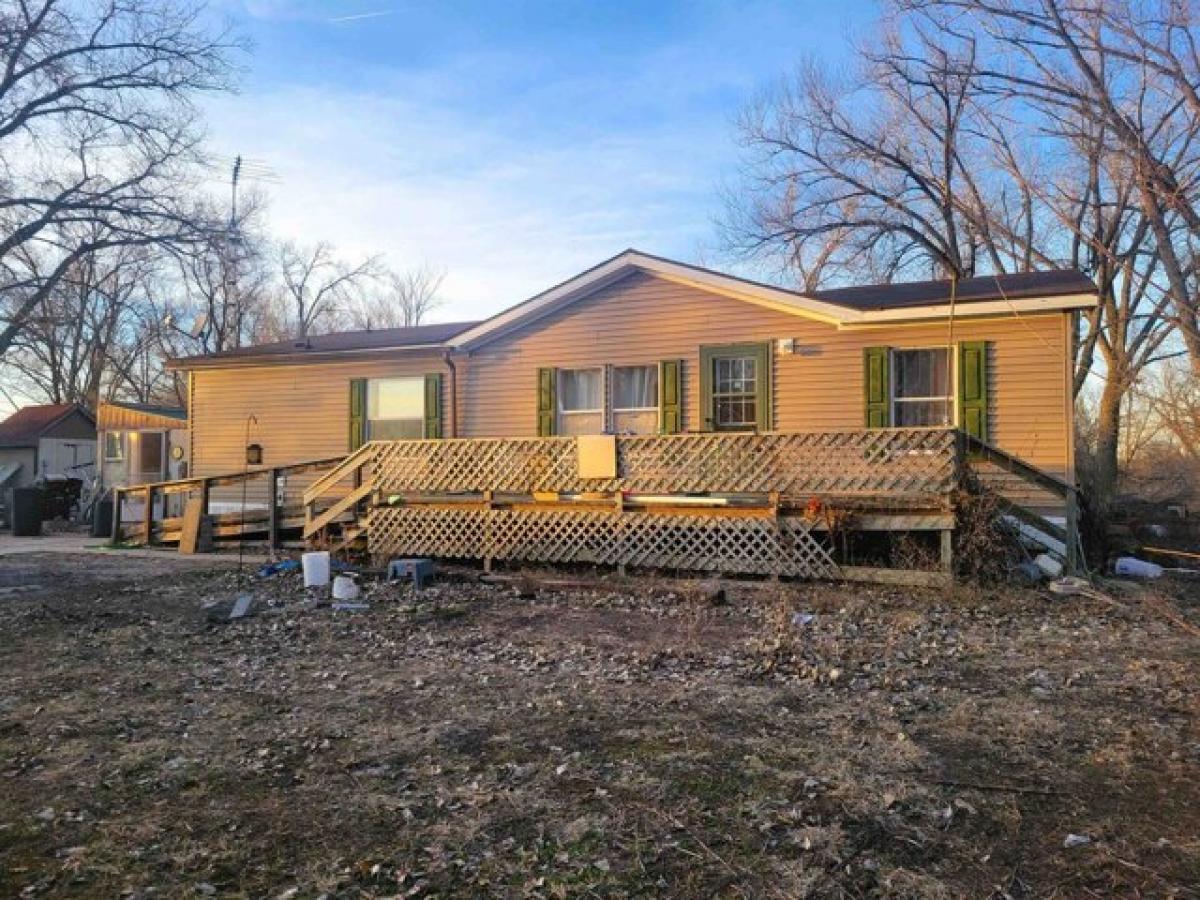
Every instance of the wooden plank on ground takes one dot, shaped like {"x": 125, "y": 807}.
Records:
{"x": 897, "y": 577}
{"x": 189, "y": 537}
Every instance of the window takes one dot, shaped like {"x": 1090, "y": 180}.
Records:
{"x": 395, "y": 408}
{"x": 921, "y": 391}
{"x": 735, "y": 392}
{"x": 114, "y": 446}
{"x": 580, "y": 391}
{"x": 634, "y": 388}
{"x": 150, "y": 452}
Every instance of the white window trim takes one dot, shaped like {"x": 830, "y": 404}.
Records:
{"x": 951, "y": 398}
{"x": 634, "y": 409}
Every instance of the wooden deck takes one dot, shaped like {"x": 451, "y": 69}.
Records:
{"x": 763, "y": 504}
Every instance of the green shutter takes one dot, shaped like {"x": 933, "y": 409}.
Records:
{"x": 973, "y": 388}
{"x": 546, "y": 410}
{"x": 876, "y": 391}
{"x": 670, "y": 399}
{"x": 358, "y": 413}
{"x": 433, "y": 405}
{"x": 765, "y": 391}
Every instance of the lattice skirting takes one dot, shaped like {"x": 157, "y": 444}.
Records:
{"x": 737, "y": 545}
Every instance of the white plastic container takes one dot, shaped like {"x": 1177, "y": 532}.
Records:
{"x": 1138, "y": 568}
{"x": 344, "y": 588}
{"x": 1050, "y": 566}
{"x": 316, "y": 568}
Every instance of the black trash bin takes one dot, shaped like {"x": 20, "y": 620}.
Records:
{"x": 26, "y": 512}
{"x": 102, "y": 518}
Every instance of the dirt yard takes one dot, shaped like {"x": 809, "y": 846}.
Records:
{"x": 470, "y": 741}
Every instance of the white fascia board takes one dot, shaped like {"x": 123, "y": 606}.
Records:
{"x": 985, "y": 308}
{"x": 629, "y": 261}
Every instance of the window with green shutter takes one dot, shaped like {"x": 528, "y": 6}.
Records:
{"x": 973, "y": 388}
{"x": 877, "y": 393}
{"x": 735, "y": 387}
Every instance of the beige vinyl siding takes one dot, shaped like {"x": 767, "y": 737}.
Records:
{"x": 644, "y": 318}
{"x": 303, "y": 410}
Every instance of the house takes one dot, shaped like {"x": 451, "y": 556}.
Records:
{"x": 141, "y": 443}
{"x": 53, "y": 439}
{"x": 642, "y": 344}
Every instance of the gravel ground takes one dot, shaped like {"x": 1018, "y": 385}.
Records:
{"x": 625, "y": 739}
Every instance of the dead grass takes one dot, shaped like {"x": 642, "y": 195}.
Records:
{"x": 469, "y": 742}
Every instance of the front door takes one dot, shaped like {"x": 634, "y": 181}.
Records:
{"x": 735, "y": 387}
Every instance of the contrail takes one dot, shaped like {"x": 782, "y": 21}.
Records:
{"x": 369, "y": 15}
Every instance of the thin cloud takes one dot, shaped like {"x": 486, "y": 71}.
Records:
{"x": 356, "y": 17}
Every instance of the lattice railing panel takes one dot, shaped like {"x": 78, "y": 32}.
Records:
{"x": 882, "y": 461}
{"x": 733, "y": 544}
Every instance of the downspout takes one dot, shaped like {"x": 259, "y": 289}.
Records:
{"x": 453, "y": 393}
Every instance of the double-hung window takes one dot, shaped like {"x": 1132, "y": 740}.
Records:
{"x": 922, "y": 388}
{"x": 395, "y": 408}
{"x": 634, "y": 399}
{"x": 581, "y": 401}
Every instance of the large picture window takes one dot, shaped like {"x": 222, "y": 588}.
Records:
{"x": 395, "y": 408}
{"x": 921, "y": 388}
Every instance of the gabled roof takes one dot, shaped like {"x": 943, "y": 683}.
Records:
{"x": 906, "y": 295}
{"x": 316, "y": 346}
{"x": 24, "y": 427}
{"x": 865, "y": 306}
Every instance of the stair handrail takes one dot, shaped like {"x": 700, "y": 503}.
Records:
{"x": 1014, "y": 464}
{"x": 348, "y": 465}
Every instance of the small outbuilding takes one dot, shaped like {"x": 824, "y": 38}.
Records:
{"x": 52, "y": 439}
{"x": 141, "y": 443}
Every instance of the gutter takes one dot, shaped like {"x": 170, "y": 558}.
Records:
{"x": 189, "y": 363}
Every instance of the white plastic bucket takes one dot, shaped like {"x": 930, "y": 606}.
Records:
{"x": 344, "y": 588}
{"x": 316, "y": 568}
{"x": 1138, "y": 568}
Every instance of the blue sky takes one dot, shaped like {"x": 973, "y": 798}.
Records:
{"x": 511, "y": 144}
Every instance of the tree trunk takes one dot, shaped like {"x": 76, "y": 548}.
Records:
{"x": 1108, "y": 436}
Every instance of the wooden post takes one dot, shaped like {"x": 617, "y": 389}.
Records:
{"x": 116, "y": 517}
{"x": 1072, "y": 529}
{"x": 205, "y": 490}
{"x": 273, "y": 519}
{"x": 148, "y": 517}
{"x": 947, "y": 554}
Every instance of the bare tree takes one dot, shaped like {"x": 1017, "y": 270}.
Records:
{"x": 64, "y": 351}
{"x": 1131, "y": 66}
{"x": 406, "y": 299}
{"x": 96, "y": 128}
{"x": 937, "y": 157}
{"x": 319, "y": 289}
